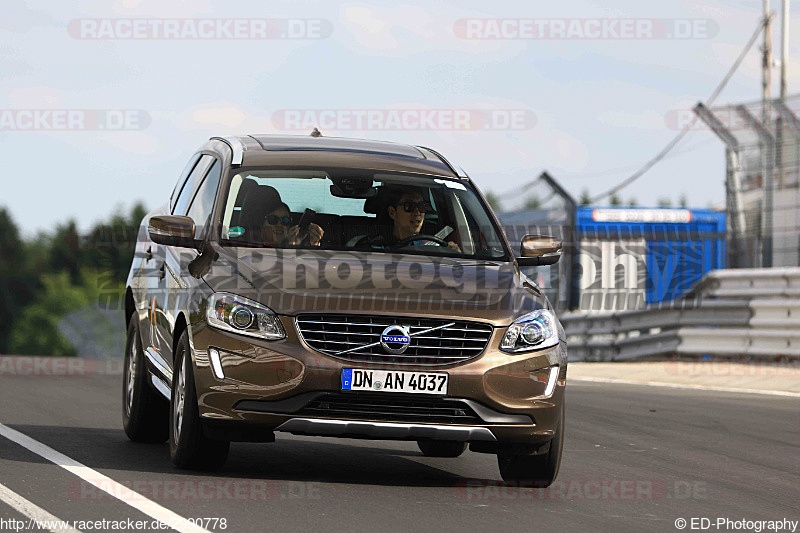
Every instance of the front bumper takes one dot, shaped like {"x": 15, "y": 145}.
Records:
{"x": 269, "y": 386}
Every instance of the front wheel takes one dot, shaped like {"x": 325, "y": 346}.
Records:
{"x": 145, "y": 413}
{"x": 189, "y": 446}
{"x": 541, "y": 469}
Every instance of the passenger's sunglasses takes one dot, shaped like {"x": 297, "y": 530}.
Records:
{"x": 422, "y": 206}
{"x": 272, "y": 220}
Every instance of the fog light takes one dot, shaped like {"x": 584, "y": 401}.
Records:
{"x": 216, "y": 363}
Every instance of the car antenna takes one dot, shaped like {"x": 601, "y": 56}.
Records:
{"x": 316, "y": 133}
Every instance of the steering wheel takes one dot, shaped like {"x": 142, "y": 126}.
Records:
{"x": 421, "y": 237}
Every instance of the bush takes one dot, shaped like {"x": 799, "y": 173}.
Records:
{"x": 35, "y": 331}
{"x": 45, "y": 277}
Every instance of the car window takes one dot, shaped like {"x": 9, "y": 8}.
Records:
{"x": 182, "y": 180}
{"x": 190, "y": 187}
{"x": 203, "y": 202}
{"x": 313, "y": 194}
{"x": 358, "y": 210}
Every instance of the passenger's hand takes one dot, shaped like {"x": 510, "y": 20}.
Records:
{"x": 314, "y": 234}
{"x": 454, "y": 246}
{"x": 291, "y": 234}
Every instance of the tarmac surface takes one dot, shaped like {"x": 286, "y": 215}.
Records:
{"x": 636, "y": 457}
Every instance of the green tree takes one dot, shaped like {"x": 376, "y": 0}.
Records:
{"x": 54, "y": 273}
{"x": 585, "y": 199}
{"x": 532, "y": 202}
{"x": 63, "y": 252}
{"x": 684, "y": 200}
{"x": 494, "y": 201}
{"x": 664, "y": 202}
{"x": 17, "y": 280}
{"x": 36, "y": 330}
{"x": 615, "y": 200}
{"x": 109, "y": 247}
{"x": 632, "y": 202}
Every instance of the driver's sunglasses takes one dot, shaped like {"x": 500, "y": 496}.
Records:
{"x": 421, "y": 206}
{"x": 272, "y": 220}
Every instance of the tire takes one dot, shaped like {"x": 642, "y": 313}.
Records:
{"x": 441, "y": 448}
{"x": 541, "y": 470}
{"x": 189, "y": 447}
{"x": 145, "y": 413}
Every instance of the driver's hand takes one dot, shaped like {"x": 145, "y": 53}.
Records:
{"x": 454, "y": 246}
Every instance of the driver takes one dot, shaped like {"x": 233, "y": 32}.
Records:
{"x": 407, "y": 209}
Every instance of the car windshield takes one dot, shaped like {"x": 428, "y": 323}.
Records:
{"x": 356, "y": 209}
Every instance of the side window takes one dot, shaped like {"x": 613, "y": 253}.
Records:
{"x": 182, "y": 180}
{"x": 189, "y": 189}
{"x": 203, "y": 202}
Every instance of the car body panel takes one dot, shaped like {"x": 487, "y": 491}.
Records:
{"x": 291, "y": 282}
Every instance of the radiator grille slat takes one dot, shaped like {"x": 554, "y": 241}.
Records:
{"x": 460, "y": 341}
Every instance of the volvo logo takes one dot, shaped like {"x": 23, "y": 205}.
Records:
{"x": 395, "y": 339}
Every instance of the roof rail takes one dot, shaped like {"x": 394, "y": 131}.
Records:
{"x": 236, "y": 146}
{"x": 457, "y": 170}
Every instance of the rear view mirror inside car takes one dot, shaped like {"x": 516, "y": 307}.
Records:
{"x": 353, "y": 188}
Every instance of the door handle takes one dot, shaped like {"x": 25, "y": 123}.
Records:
{"x": 162, "y": 272}
{"x": 148, "y": 255}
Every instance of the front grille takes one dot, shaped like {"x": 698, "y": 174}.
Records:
{"x": 331, "y": 334}
{"x": 391, "y": 409}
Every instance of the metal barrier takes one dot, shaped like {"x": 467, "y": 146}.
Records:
{"x": 748, "y": 312}
{"x": 749, "y": 283}
{"x": 778, "y": 313}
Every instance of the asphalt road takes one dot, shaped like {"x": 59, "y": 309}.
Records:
{"x": 635, "y": 458}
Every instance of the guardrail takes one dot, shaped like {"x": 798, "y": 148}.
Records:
{"x": 748, "y": 312}
{"x": 749, "y": 283}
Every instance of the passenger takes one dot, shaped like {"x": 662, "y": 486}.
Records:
{"x": 277, "y": 231}
{"x": 406, "y": 209}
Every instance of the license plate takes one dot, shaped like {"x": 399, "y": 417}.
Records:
{"x": 394, "y": 381}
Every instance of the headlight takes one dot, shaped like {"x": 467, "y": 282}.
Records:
{"x": 534, "y": 331}
{"x": 241, "y": 315}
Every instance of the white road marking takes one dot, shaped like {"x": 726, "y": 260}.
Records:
{"x": 33, "y": 512}
{"x": 687, "y": 386}
{"x": 102, "y": 482}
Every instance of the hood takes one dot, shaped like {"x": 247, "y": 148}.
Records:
{"x": 291, "y": 282}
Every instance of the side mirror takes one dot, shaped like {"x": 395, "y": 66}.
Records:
{"x": 171, "y": 230}
{"x": 539, "y": 250}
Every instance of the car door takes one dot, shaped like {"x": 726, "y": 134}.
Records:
{"x": 149, "y": 260}
{"x": 178, "y": 284}
{"x": 151, "y": 269}
{"x": 162, "y": 321}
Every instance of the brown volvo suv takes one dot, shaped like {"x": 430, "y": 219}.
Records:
{"x": 346, "y": 288}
